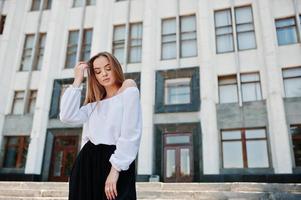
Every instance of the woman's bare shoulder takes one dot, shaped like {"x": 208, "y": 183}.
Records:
{"x": 127, "y": 83}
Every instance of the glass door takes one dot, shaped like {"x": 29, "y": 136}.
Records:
{"x": 178, "y": 160}
{"x": 63, "y": 155}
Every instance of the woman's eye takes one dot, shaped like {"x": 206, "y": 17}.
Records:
{"x": 97, "y": 72}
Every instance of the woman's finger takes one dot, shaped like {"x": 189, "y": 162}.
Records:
{"x": 115, "y": 189}
{"x": 107, "y": 192}
{"x": 112, "y": 192}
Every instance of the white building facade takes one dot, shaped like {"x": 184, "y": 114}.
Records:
{"x": 220, "y": 85}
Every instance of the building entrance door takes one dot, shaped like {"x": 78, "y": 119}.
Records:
{"x": 178, "y": 157}
{"x": 63, "y": 155}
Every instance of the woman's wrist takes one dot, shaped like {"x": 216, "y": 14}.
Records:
{"x": 114, "y": 169}
{"x": 76, "y": 83}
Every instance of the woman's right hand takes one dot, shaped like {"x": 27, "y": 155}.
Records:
{"x": 79, "y": 73}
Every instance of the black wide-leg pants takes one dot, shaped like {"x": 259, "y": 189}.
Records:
{"x": 89, "y": 173}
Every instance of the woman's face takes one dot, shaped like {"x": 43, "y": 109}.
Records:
{"x": 103, "y": 71}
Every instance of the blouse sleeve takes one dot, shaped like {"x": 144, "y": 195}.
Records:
{"x": 85, "y": 137}
{"x": 70, "y": 110}
{"x": 131, "y": 129}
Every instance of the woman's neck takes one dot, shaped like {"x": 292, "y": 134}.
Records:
{"x": 111, "y": 90}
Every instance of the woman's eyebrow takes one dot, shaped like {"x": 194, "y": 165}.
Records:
{"x": 104, "y": 66}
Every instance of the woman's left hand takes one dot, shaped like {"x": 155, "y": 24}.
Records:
{"x": 111, "y": 182}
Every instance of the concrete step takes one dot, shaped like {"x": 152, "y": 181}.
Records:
{"x": 238, "y": 186}
{"x": 33, "y": 192}
{"x": 33, "y": 198}
{"x": 33, "y": 185}
{"x": 158, "y": 190}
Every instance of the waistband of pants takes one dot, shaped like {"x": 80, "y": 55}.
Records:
{"x": 89, "y": 143}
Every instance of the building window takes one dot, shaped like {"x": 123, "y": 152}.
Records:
{"x": 188, "y": 42}
{"x": 250, "y": 87}
{"x": 246, "y": 148}
{"x": 245, "y": 28}
{"x": 188, "y": 36}
{"x": 292, "y": 81}
{"x": 177, "y": 91}
{"x": 168, "y": 39}
{"x": 18, "y": 102}
{"x": 86, "y": 45}
{"x": 2, "y": 23}
{"x": 72, "y": 49}
{"x": 90, "y": 2}
{"x": 245, "y": 31}
{"x": 27, "y": 52}
{"x": 15, "y": 151}
{"x": 134, "y": 47}
{"x": 47, "y": 4}
{"x": 59, "y": 88}
{"x": 32, "y": 101}
{"x": 35, "y": 4}
{"x": 40, "y": 52}
{"x": 78, "y": 3}
{"x": 72, "y": 46}
{"x": 223, "y": 31}
{"x": 135, "y": 43}
{"x": 119, "y": 42}
{"x": 296, "y": 142}
{"x": 286, "y": 31}
{"x": 227, "y": 86}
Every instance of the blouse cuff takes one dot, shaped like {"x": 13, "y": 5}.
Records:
{"x": 114, "y": 165}
{"x": 80, "y": 87}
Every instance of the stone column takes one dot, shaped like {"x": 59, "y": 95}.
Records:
{"x": 208, "y": 87}
{"x": 278, "y": 130}
{"x": 146, "y": 152}
{"x": 50, "y": 65}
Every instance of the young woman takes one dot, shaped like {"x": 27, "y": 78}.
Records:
{"x": 111, "y": 115}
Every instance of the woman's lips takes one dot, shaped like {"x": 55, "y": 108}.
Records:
{"x": 106, "y": 79}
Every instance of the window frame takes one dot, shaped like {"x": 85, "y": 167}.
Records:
{"x": 253, "y": 26}
{"x": 56, "y": 96}
{"x": 2, "y": 24}
{"x": 86, "y": 44}
{"x": 292, "y": 144}
{"x": 32, "y": 97}
{"x": 173, "y": 82}
{"x": 243, "y": 141}
{"x": 17, "y": 98}
{"x": 168, "y": 35}
{"x": 248, "y": 82}
{"x": 39, "y": 54}
{"x": 130, "y": 39}
{"x": 181, "y": 33}
{"x": 21, "y": 146}
{"x": 225, "y": 26}
{"x": 285, "y": 27}
{"x": 162, "y": 75}
{"x": 121, "y": 42}
{"x": 237, "y": 92}
{"x": 71, "y": 46}
{"x": 24, "y": 50}
{"x": 291, "y": 77}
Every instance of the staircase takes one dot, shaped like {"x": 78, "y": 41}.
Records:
{"x": 161, "y": 191}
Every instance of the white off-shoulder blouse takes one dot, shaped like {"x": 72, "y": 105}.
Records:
{"x": 114, "y": 121}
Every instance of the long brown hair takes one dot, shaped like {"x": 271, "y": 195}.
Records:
{"x": 95, "y": 91}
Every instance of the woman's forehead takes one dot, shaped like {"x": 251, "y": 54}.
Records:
{"x": 100, "y": 62}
